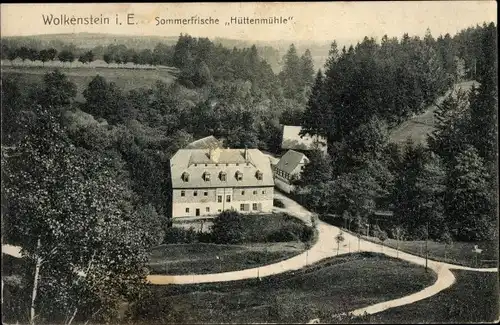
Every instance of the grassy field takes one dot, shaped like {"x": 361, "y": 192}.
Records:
{"x": 472, "y": 299}
{"x": 126, "y": 79}
{"x": 457, "y": 253}
{"x": 319, "y": 291}
{"x": 203, "y": 258}
{"x": 418, "y": 127}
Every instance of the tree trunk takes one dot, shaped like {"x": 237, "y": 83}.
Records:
{"x": 72, "y": 316}
{"x": 38, "y": 265}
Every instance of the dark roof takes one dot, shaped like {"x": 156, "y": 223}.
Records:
{"x": 209, "y": 142}
{"x": 290, "y": 160}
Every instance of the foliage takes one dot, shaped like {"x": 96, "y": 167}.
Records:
{"x": 176, "y": 235}
{"x": 66, "y": 208}
{"x": 317, "y": 170}
{"x": 228, "y": 228}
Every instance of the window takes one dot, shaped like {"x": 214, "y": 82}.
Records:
{"x": 227, "y": 164}
{"x": 205, "y": 193}
{"x": 187, "y": 210}
{"x": 228, "y": 198}
{"x": 206, "y": 176}
{"x": 195, "y": 193}
{"x": 222, "y": 176}
{"x": 183, "y": 193}
{"x": 237, "y": 164}
{"x": 264, "y": 192}
{"x": 216, "y": 165}
{"x": 239, "y": 175}
{"x": 185, "y": 177}
{"x": 219, "y": 210}
{"x": 207, "y": 209}
{"x": 242, "y": 207}
{"x": 258, "y": 175}
{"x": 254, "y": 206}
{"x": 206, "y": 165}
{"x": 254, "y": 192}
{"x": 219, "y": 198}
{"x": 242, "y": 192}
{"x": 195, "y": 165}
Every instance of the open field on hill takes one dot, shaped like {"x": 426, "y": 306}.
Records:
{"x": 126, "y": 79}
{"x": 418, "y": 127}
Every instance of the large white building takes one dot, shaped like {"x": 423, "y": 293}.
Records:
{"x": 208, "y": 181}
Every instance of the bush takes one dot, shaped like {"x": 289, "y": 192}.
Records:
{"x": 374, "y": 230}
{"x": 228, "y": 228}
{"x": 278, "y": 203}
{"x": 180, "y": 236}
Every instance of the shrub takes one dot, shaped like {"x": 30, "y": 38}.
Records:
{"x": 228, "y": 228}
{"x": 374, "y": 230}
{"x": 278, "y": 203}
{"x": 180, "y": 236}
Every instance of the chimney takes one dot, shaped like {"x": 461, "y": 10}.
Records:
{"x": 246, "y": 153}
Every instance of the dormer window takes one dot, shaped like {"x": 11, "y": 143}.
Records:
{"x": 206, "y": 176}
{"x": 185, "y": 177}
{"x": 222, "y": 176}
{"x": 239, "y": 175}
{"x": 258, "y": 175}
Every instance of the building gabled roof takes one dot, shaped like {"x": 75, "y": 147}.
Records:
{"x": 198, "y": 162}
{"x": 290, "y": 160}
{"x": 292, "y": 139}
{"x": 209, "y": 142}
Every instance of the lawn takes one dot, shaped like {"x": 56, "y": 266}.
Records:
{"x": 472, "y": 299}
{"x": 419, "y": 127}
{"x": 319, "y": 291}
{"x": 126, "y": 79}
{"x": 201, "y": 258}
{"x": 457, "y": 253}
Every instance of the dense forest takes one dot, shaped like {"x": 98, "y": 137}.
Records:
{"x": 446, "y": 189}
{"x": 102, "y": 164}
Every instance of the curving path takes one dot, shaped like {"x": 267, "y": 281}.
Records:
{"x": 324, "y": 247}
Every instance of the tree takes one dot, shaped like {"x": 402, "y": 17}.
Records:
{"x": 12, "y": 54}
{"x": 103, "y": 99}
{"x": 66, "y": 209}
{"x": 398, "y": 233}
{"x": 56, "y": 92}
{"x": 382, "y": 236}
{"x": 339, "y": 239}
{"x": 469, "y": 201}
{"x": 66, "y": 56}
{"x": 315, "y": 119}
{"x": 317, "y": 170}
{"x": 430, "y": 186}
{"x": 52, "y": 53}
{"x": 447, "y": 240}
{"x": 86, "y": 57}
{"x": 23, "y": 53}
{"x": 44, "y": 56}
{"x": 307, "y": 69}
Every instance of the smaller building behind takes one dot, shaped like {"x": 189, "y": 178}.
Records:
{"x": 289, "y": 168}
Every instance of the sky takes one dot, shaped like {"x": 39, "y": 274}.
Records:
{"x": 314, "y": 21}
